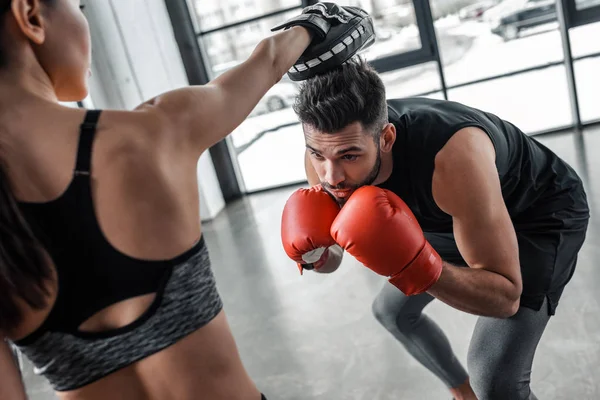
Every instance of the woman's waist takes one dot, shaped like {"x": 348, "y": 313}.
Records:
{"x": 198, "y": 363}
{"x": 74, "y": 359}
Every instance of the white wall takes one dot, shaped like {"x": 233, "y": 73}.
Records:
{"x": 135, "y": 57}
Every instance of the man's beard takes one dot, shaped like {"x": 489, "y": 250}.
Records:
{"x": 352, "y": 187}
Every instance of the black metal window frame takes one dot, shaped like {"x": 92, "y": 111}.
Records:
{"x": 575, "y": 17}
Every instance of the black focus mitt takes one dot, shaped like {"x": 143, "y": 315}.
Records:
{"x": 338, "y": 34}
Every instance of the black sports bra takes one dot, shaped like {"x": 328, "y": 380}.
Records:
{"x": 93, "y": 275}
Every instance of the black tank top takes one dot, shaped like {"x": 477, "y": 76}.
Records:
{"x": 535, "y": 182}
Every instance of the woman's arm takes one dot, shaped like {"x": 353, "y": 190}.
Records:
{"x": 11, "y": 385}
{"x": 200, "y": 116}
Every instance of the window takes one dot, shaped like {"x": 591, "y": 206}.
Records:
{"x": 395, "y": 26}
{"x": 586, "y": 64}
{"x": 416, "y": 80}
{"x": 534, "y": 101}
{"x": 214, "y": 14}
{"x": 505, "y": 57}
{"x": 581, "y": 40}
{"x": 583, "y": 4}
{"x": 588, "y": 88}
{"x": 493, "y": 38}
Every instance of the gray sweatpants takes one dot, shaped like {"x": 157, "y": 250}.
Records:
{"x": 501, "y": 351}
{"x": 500, "y": 354}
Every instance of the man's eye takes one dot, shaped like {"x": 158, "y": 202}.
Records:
{"x": 316, "y": 155}
{"x": 350, "y": 157}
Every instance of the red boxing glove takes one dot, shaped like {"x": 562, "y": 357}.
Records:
{"x": 379, "y": 230}
{"x": 305, "y": 223}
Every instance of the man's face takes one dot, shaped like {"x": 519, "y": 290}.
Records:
{"x": 345, "y": 160}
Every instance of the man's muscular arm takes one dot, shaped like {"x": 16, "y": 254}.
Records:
{"x": 466, "y": 186}
{"x": 335, "y": 253}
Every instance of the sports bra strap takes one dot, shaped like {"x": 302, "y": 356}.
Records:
{"x": 86, "y": 140}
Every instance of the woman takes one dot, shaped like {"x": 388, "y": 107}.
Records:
{"x": 105, "y": 280}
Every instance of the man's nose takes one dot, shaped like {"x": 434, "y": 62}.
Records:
{"x": 334, "y": 175}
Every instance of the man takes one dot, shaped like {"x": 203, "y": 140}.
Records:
{"x": 418, "y": 189}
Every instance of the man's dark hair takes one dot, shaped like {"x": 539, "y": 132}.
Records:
{"x": 350, "y": 93}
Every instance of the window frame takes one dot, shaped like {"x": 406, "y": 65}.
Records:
{"x": 575, "y": 17}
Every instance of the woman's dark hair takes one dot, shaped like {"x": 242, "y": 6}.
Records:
{"x": 353, "y": 92}
{"x": 24, "y": 267}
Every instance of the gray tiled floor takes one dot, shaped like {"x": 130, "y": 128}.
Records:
{"x": 313, "y": 337}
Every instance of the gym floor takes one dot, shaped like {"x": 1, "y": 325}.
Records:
{"x": 314, "y": 337}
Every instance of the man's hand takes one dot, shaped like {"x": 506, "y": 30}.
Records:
{"x": 332, "y": 260}
{"x": 466, "y": 185}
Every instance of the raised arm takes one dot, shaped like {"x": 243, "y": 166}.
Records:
{"x": 483, "y": 230}
{"x": 316, "y": 39}
{"x": 200, "y": 116}
{"x": 11, "y": 385}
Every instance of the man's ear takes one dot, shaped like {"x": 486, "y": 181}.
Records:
{"x": 29, "y": 19}
{"x": 388, "y": 137}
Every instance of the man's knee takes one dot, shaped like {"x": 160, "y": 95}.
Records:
{"x": 384, "y": 313}
{"x": 496, "y": 380}
{"x": 501, "y": 354}
{"x": 395, "y": 311}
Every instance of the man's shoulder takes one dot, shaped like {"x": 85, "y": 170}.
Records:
{"x": 422, "y": 112}
{"x": 426, "y": 104}
{"x": 402, "y": 103}
{"x": 421, "y": 106}
{"x": 409, "y": 106}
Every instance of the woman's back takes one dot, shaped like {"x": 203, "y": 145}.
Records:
{"x": 144, "y": 197}
{"x": 136, "y": 170}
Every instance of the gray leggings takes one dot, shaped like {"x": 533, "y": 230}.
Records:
{"x": 501, "y": 350}
{"x": 500, "y": 355}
